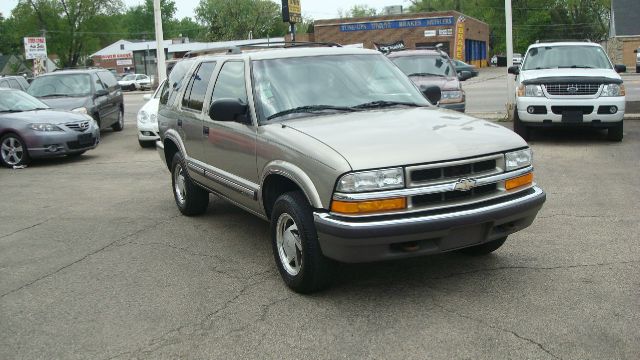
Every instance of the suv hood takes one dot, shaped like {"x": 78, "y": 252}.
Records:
{"x": 564, "y": 72}
{"x": 387, "y": 138}
{"x": 66, "y": 103}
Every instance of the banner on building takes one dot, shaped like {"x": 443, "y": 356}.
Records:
{"x": 35, "y": 48}
{"x": 459, "y": 53}
{"x": 128, "y": 55}
{"x": 395, "y": 46}
{"x": 291, "y": 11}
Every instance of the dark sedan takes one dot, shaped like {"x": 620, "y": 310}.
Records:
{"x": 463, "y": 66}
{"x": 30, "y": 129}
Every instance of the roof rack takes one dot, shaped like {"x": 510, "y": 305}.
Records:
{"x": 562, "y": 40}
{"x": 79, "y": 68}
{"x": 260, "y": 45}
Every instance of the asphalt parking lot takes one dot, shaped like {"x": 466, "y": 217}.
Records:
{"x": 96, "y": 262}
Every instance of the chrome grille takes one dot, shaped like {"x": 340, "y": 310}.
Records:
{"x": 80, "y": 126}
{"x": 443, "y": 172}
{"x": 572, "y": 89}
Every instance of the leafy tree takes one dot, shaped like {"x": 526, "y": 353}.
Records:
{"x": 139, "y": 20}
{"x": 234, "y": 19}
{"x": 358, "y": 11}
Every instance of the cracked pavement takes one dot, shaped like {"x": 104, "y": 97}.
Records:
{"x": 96, "y": 262}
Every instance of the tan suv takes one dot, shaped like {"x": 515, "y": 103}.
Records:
{"x": 345, "y": 157}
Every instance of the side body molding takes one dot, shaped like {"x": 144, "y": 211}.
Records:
{"x": 294, "y": 174}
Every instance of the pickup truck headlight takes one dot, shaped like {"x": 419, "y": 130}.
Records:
{"x": 451, "y": 96}
{"x": 44, "y": 127}
{"x": 384, "y": 179}
{"x": 518, "y": 159}
{"x": 612, "y": 90}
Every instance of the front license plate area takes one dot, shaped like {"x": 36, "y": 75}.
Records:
{"x": 85, "y": 140}
{"x": 462, "y": 237}
{"x": 572, "y": 116}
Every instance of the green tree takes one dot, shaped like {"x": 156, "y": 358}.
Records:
{"x": 235, "y": 19}
{"x": 358, "y": 11}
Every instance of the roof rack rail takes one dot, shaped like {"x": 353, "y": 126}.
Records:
{"x": 78, "y": 68}
{"x": 260, "y": 45}
{"x": 562, "y": 40}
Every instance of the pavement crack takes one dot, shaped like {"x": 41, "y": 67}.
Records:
{"x": 26, "y": 228}
{"x": 83, "y": 258}
{"x": 181, "y": 249}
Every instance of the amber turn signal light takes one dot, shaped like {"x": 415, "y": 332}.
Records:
{"x": 518, "y": 181}
{"x": 366, "y": 207}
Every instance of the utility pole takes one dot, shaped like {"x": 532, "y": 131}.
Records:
{"x": 162, "y": 67}
{"x": 510, "y": 80}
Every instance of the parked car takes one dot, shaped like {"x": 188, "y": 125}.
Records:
{"x": 14, "y": 82}
{"x": 433, "y": 68}
{"x": 463, "y": 66}
{"x": 135, "y": 82}
{"x": 517, "y": 59}
{"x": 148, "y": 119}
{"x": 569, "y": 84}
{"x": 345, "y": 157}
{"x": 29, "y": 129}
{"x": 94, "y": 92}
{"x": 637, "y": 60}
{"x": 494, "y": 60}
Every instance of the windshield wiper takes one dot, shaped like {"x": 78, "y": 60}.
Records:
{"x": 576, "y": 67}
{"x": 425, "y": 74}
{"x": 308, "y": 109}
{"x": 384, "y": 103}
{"x": 52, "y": 95}
{"x": 11, "y": 111}
{"x": 38, "y": 108}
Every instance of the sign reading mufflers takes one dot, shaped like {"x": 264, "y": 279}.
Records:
{"x": 397, "y": 24}
{"x": 291, "y": 11}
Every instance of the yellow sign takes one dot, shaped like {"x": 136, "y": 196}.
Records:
{"x": 294, "y": 7}
{"x": 291, "y": 11}
{"x": 459, "y": 54}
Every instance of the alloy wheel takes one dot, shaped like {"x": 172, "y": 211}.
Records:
{"x": 289, "y": 244}
{"x": 12, "y": 151}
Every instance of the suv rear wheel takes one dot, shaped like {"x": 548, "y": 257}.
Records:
{"x": 616, "y": 132}
{"x": 295, "y": 245}
{"x": 190, "y": 198}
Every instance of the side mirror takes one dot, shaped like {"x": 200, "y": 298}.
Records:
{"x": 620, "y": 68}
{"x": 101, "y": 92}
{"x": 515, "y": 70}
{"x": 432, "y": 93}
{"x": 147, "y": 97}
{"x": 464, "y": 75}
{"x": 229, "y": 110}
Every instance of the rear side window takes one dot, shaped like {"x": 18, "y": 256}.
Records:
{"x": 230, "y": 82}
{"x": 197, "y": 88}
{"x": 108, "y": 79}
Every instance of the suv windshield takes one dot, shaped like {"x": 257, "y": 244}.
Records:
{"x": 331, "y": 82}
{"x": 61, "y": 85}
{"x": 421, "y": 65}
{"x": 567, "y": 56}
{"x": 18, "y": 101}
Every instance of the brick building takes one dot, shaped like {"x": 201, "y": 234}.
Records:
{"x": 462, "y": 37}
{"x": 624, "y": 33}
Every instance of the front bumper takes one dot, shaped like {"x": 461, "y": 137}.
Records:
{"x": 148, "y": 131}
{"x": 524, "y": 102}
{"x": 366, "y": 240}
{"x": 56, "y": 143}
{"x": 456, "y": 106}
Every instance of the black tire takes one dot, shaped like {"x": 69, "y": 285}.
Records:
{"x": 314, "y": 269}
{"x": 146, "y": 143}
{"x": 520, "y": 128}
{"x": 190, "y": 198}
{"x": 119, "y": 125}
{"x": 616, "y": 132}
{"x": 484, "y": 249}
{"x": 13, "y": 151}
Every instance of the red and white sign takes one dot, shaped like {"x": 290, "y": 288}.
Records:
{"x": 128, "y": 55}
{"x": 35, "y": 47}
{"x": 124, "y": 62}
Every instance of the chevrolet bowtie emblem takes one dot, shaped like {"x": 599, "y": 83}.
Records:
{"x": 464, "y": 184}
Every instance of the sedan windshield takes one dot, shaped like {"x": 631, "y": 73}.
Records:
{"x": 424, "y": 65}
{"x": 18, "y": 101}
{"x": 61, "y": 85}
{"x": 552, "y": 57}
{"x": 297, "y": 85}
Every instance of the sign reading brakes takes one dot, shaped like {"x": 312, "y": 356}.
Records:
{"x": 397, "y": 24}
{"x": 291, "y": 11}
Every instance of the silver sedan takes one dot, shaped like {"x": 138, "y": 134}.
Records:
{"x": 30, "y": 129}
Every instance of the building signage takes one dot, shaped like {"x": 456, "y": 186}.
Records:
{"x": 128, "y": 55}
{"x": 459, "y": 51}
{"x": 428, "y": 33}
{"x": 397, "y": 24}
{"x": 35, "y": 48}
{"x": 445, "y": 32}
{"x": 291, "y": 11}
{"x": 124, "y": 62}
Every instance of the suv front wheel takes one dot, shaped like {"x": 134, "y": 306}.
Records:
{"x": 190, "y": 198}
{"x": 519, "y": 127}
{"x": 295, "y": 245}
{"x": 616, "y": 132}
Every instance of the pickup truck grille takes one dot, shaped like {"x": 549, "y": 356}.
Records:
{"x": 572, "y": 89}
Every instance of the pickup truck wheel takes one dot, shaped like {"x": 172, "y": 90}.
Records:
{"x": 485, "y": 248}
{"x": 616, "y": 132}
{"x": 190, "y": 198}
{"x": 520, "y": 128}
{"x": 295, "y": 245}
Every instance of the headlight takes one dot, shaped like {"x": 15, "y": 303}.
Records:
{"x": 612, "y": 90}
{"x": 143, "y": 116}
{"x": 372, "y": 180}
{"x": 518, "y": 159}
{"x": 451, "y": 96}
{"x": 81, "y": 110}
{"x": 44, "y": 127}
{"x": 533, "y": 91}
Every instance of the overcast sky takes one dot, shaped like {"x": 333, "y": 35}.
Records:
{"x": 316, "y": 9}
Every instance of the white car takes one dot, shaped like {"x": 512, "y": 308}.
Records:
{"x": 517, "y": 59}
{"x": 147, "y": 119}
{"x": 135, "y": 82}
{"x": 568, "y": 84}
